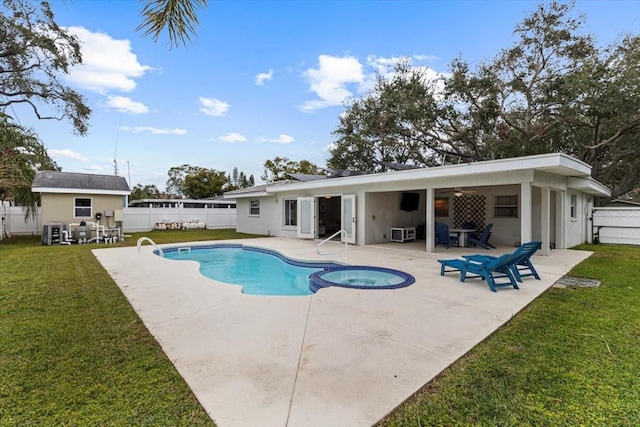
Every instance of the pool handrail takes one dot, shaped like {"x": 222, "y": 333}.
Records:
{"x": 344, "y": 233}
{"x": 143, "y": 239}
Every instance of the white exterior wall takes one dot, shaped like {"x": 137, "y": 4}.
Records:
{"x": 267, "y": 223}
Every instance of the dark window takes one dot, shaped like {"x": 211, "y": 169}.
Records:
{"x": 82, "y": 208}
{"x": 290, "y": 212}
{"x": 254, "y": 208}
{"x": 505, "y": 206}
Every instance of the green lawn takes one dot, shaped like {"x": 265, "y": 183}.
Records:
{"x": 73, "y": 351}
{"x": 571, "y": 358}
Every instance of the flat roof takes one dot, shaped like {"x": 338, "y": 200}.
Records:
{"x": 553, "y": 163}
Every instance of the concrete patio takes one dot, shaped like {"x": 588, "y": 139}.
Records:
{"x": 341, "y": 357}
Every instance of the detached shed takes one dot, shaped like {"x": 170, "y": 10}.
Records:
{"x": 73, "y": 197}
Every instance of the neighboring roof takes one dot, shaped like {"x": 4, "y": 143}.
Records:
{"x": 67, "y": 182}
{"x": 513, "y": 170}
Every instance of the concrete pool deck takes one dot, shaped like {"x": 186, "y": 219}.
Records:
{"x": 341, "y": 357}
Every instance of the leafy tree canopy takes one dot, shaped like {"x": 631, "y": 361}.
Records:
{"x": 552, "y": 91}
{"x": 145, "y": 192}
{"x": 21, "y": 155}
{"x": 278, "y": 168}
{"x": 34, "y": 53}
{"x": 197, "y": 182}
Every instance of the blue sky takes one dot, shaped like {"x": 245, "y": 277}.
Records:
{"x": 263, "y": 78}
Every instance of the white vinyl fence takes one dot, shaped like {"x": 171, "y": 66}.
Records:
{"x": 615, "y": 225}
{"x": 15, "y": 224}
{"x": 134, "y": 219}
{"x": 145, "y": 219}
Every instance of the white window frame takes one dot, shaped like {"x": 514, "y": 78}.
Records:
{"x": 506, "y": 202}
{"x": 293, "y": 215}
{"x": 254, "y": 207}
{"x": 573, "y": 207}
{"x": 76, "y": 207}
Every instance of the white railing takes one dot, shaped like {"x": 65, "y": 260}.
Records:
{"x": 344, "y": 234}
{"x": 143, "y": 239}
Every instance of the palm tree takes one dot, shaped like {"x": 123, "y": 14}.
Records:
{"x": 178, "y": 17}
{"x": 21, "y": 155}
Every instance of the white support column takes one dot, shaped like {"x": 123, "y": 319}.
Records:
{"x": 525, "y": 213}
{"x": 560, "y": 228}
{"x": 360, "y": 218}
{"x": 429, "y": 226}
{"x": 545, "y": 219}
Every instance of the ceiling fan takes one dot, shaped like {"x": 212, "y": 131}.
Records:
{"x": 459, "y": 192}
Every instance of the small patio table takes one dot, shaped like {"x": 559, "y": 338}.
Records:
{"x": 464, "y": 234}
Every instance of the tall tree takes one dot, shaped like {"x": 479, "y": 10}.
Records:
{"x": 21, "y": 155}
{"x": 205, "y": 183}
{"x": 552, "y": 91}
{"x": 175, "y": 182}
{"x": 398, "y": 121}
{"x": 145, "y": 192}
{"x": 34, "y": 53}
{"x": 278, "y": 168}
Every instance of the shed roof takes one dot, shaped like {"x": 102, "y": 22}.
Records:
{"x": 69, "y": 182}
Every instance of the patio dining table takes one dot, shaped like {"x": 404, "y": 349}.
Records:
{"x": 464, "y": 234}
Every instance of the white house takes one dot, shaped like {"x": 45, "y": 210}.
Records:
{"x": 542, "y": 197}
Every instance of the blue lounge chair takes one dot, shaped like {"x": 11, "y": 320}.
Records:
{"x": 444, "y": 237}
{"x": 498, "y": 268}
{"x": 523, "y": 267}
{"x": 482, "y": 239}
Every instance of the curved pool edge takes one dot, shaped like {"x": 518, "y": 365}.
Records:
{"x": 316, "y": 281}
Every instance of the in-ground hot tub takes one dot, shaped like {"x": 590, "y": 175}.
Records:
{"x": 360, "y": 277}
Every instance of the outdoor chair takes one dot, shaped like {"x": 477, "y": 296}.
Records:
{"x": 444, "y": 237}
{"x": 498, "y": 268}
{"x": 482, "y": 239}
{"x": 523, "y": 266}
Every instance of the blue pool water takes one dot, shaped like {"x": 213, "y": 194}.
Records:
{"x": 265, "y": 272}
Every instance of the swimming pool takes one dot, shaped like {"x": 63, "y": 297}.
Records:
{"x": 266, "y": 272}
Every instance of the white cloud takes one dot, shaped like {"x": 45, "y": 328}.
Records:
{"x": 107, "y": 63}
{"x": 232, "y": 137}
{"x": 154, "y": 130}
{"x": 281, "y": 139}
{"x": 262, "y": 77}
{"x": 329, "y": 81}
{"x": 65, "y": 154}
{"x": 93, "y": 168}
{"x": 124, "y": 104}
{"x": 213, "y": 107}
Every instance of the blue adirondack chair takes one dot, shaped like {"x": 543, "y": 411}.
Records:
{"x": 523, "y": 267}
{"x": 482, "y": 239}
{"x": 443, "y": 237}
{"x": 498, "y": 268}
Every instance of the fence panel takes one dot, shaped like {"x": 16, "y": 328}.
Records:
{"x": 616, "y": 225}
{"x": 15, "y": 224}
{"x": 145, "y": 219}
